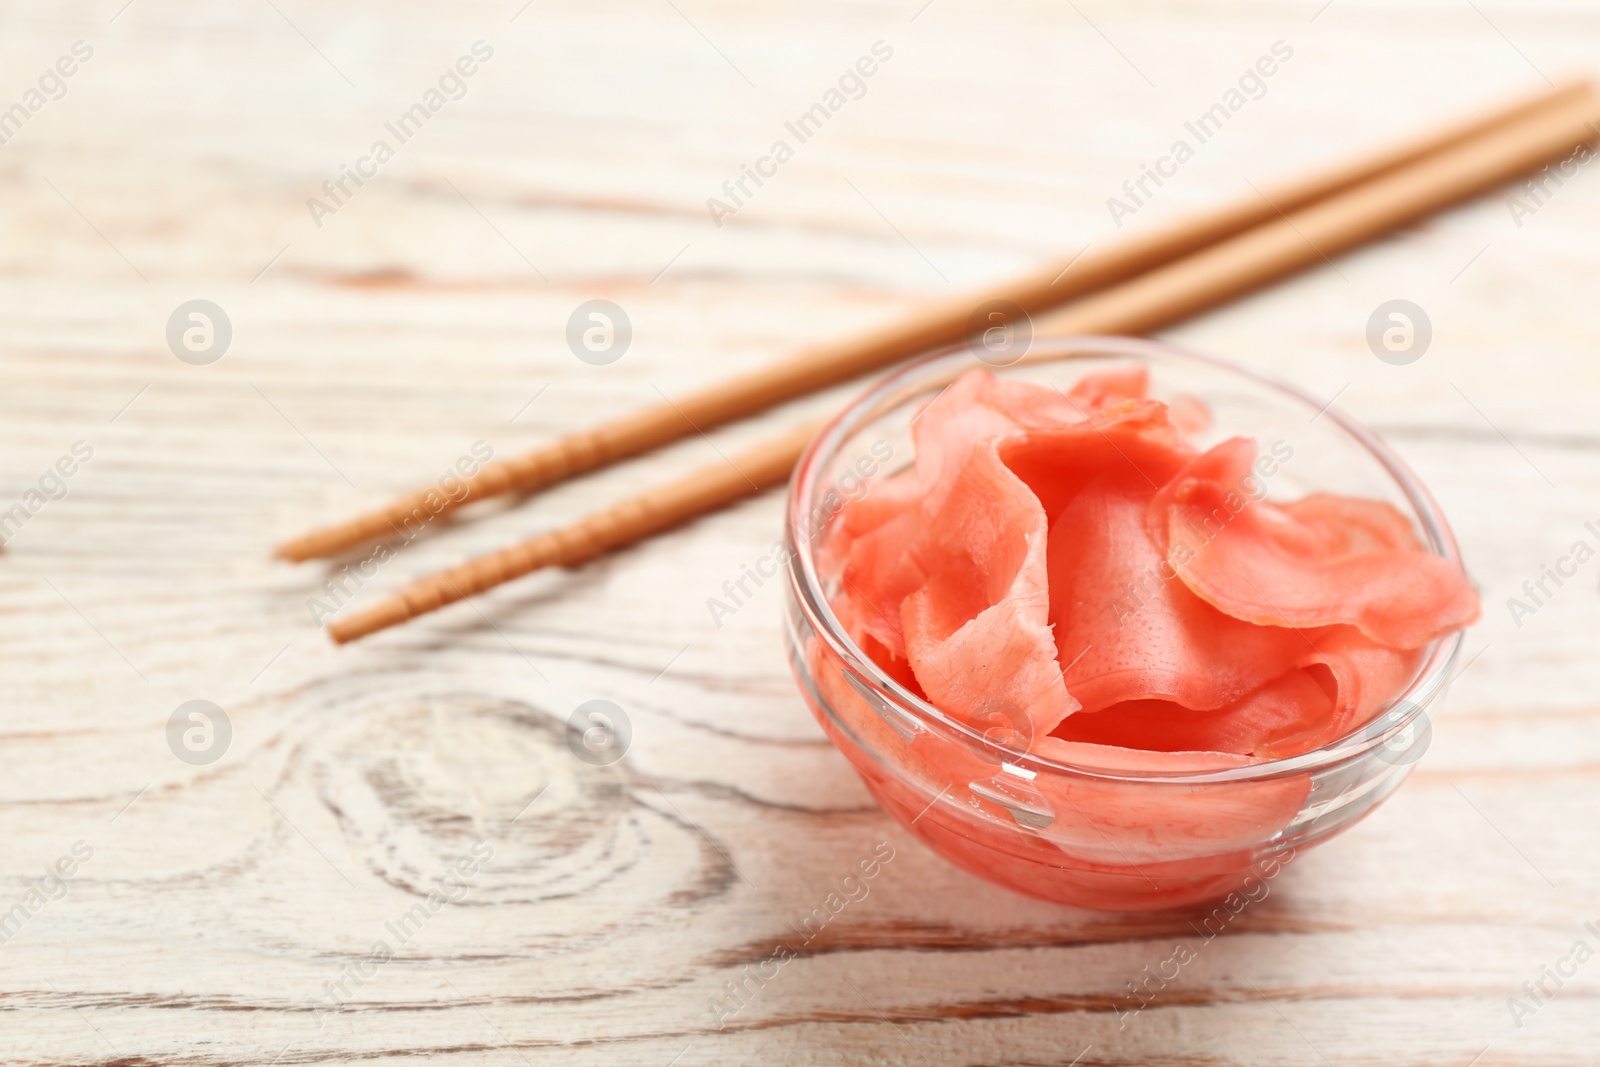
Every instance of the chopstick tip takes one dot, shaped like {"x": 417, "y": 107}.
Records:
{"x": 391, "y": 612}
{"x": 291, "y": 551}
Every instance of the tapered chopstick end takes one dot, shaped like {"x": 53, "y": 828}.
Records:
{"x": 295, "y": 551}
{"x": 380, "y": 617}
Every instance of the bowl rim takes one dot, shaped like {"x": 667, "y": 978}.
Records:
{"x": 805, "y": 584}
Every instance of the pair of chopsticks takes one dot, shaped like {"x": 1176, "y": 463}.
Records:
{"x": 1138, "y": 285}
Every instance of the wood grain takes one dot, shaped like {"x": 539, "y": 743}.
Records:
{"x": 231, "y": 913}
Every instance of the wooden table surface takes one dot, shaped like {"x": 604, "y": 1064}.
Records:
{"x": 395, "y": 854}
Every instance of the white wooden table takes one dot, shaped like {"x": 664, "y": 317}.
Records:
{"x": 272, "y": 905}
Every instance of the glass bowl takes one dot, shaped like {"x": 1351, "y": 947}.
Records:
{"x": 1109, "y": 837}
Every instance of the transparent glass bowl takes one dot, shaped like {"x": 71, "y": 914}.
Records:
{"x": 1098, "y": 836}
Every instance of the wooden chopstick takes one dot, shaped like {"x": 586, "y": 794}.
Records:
{"x": 1312, "y": 235}
{"x": 941, "y": 324}
{"x": 766, "y": 465}
{"x": 1199, "y": 281}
